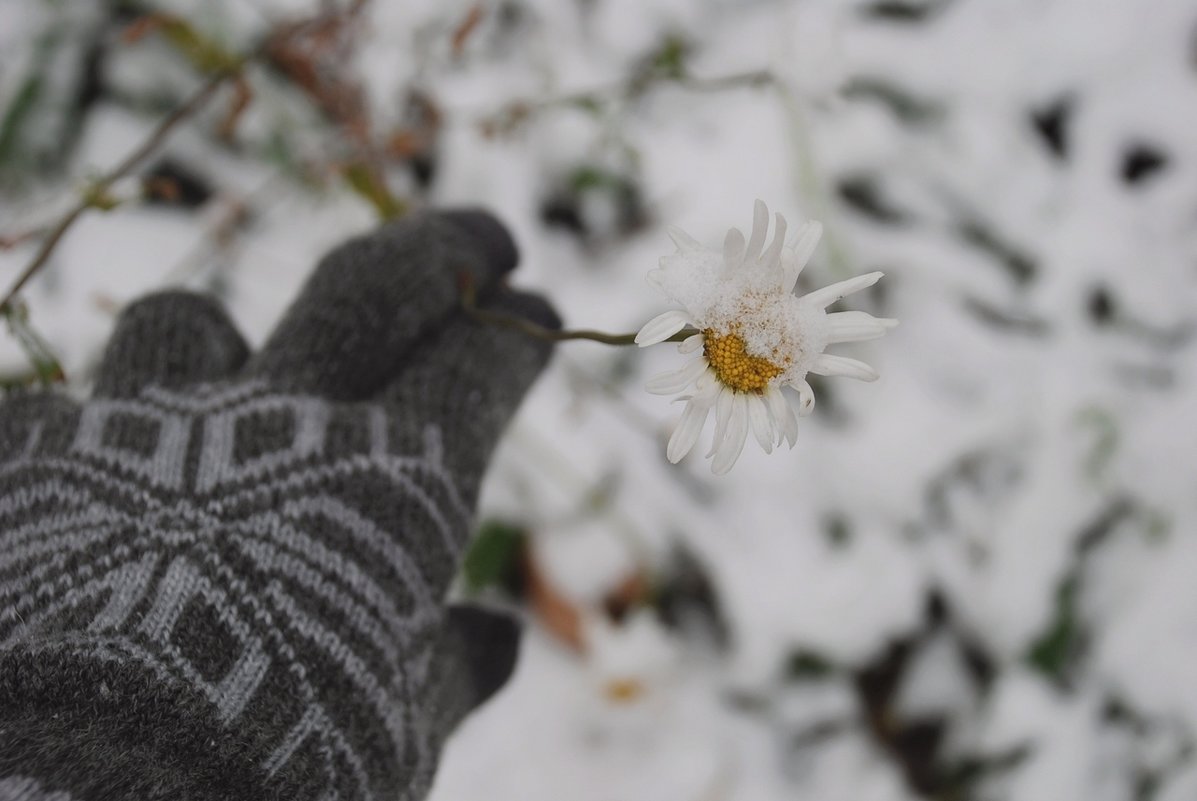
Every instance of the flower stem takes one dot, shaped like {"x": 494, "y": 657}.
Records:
{"x": 532, "y": 329}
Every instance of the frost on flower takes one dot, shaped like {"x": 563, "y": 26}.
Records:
{"x": 755, "y": 336}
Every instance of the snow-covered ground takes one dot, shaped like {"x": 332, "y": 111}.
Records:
{"x": 971, "y": 579}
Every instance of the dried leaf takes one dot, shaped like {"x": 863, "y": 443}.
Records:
{"x": 204, "y": 54}
{"x": 161, "y": 188}
{"x": 624, "y": 690}
{"x": 466, "y": 27}
{"x": 554, "y": 611}
{"x": 633, "y": 591}
{"x": 242, "y": 96}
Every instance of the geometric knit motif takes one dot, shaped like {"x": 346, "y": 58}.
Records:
{"x": 223, "y": 576}
{"x": 280, "y": 559}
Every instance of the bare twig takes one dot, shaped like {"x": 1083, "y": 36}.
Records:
{"x": 10, "y": 241}
{"x": 101, "y": 187}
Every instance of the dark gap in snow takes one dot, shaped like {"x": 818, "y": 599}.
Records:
{"x": 905, "y": 11}
{"x": 1062, "y": 645}
{"x": 559, "y": 211}
{"x": 91, "y": 87}
{"x": 980, "y": 665}
{"x": 963, "y": 774}
{"x": 806, "y": 665}
{"x": 863, "y": 194}
{"x": 1017, "y": 321}
{"x": 169, "y": 182}
{"x": 1052, "y": 123}
{"x": 423, "y": 169}
{"x": 812, "y": 736}
{"x": 417, "y": 142}
{"x": 1101, "y": 527}
{"x": 1103, "y": 310}
{"x": 1100, "y": 305}
{"x": 985, "y": 474}
{"x": 687, "y": 601}
{"x": 1019, "y": 264}
{"x": 838, "y": 530}
{"x": 907, "y": 107}
{"x": 936, "y": 609}
{"x": 597, "y": 204}
{"x": 913, "y": 745}
{"x": 1141, "y": 161}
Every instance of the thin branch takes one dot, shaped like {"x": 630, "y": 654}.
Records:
{"x": 101, "y": 187}
{"x": 517, "y": 111}
{"x": 634, "y": 86}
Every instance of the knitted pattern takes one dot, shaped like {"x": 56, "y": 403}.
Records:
{"x": 223, "y": 576}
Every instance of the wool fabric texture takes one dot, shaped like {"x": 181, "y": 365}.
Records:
{"x": 222, "y": 576}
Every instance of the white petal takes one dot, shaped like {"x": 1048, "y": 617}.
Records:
{"x": 783, "y": 415}
{"x": 723, "y": 410}
{"x": 807, "y": 240}
{"x": 682, "y": 239}
{"x": 690, "y": 344}
{"x": 806, "y": 397}
{"x": 762, "y": 424}
{"x": 662, "y": 327}
{"x": 708, "y": 383}
{"x": 760, "y": 227}
{"x": 826, "y": 364}
{"x": 830, "y": 294}
{"x": 773, "y": 254}
{"x": 795, "y": 259}
{"x": 855, "y": 326}
{"x": 733, "y": 441}
{"x": 733, "y": 248}
{"x": 675, "y": 381}
{"x": 694, "y": 416}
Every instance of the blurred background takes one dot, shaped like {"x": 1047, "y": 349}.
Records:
{"x": 970, "y": 580}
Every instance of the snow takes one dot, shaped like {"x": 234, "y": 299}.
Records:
{"x": 1043, "y": 373}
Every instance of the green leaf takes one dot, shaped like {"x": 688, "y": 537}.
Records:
{"x": 670, "y": 60}
{"x": 98, "y": 197}
{"x": 368, "y": 185}
{"x": 808, "y": 666}
{"x": 18, "y": 111}
{"x": 1105, "y": 439}
{"x": 1053, "y": 652}
{"x": 46, "y": 368}
{"x": 204, "y": 54}
{"x": 493, "y": 557}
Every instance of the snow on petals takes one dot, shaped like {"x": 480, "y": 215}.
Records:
{"x": 754, "y": 336}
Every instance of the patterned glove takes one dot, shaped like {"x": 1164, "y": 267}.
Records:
{"x": 223, "y": 576}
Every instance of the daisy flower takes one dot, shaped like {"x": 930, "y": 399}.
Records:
{"x": 754, "y": 336}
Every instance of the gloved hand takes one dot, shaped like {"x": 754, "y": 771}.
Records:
{"x": 223, "y": 576}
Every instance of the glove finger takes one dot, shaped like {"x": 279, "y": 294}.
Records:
{"x": 468, "y": 379}
{"x": 169, "y": 339}
{"x": 371, "y": 298}
{"x": 474, "y": 657}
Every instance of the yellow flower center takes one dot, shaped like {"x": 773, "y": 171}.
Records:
{"x": 733, "y": 366}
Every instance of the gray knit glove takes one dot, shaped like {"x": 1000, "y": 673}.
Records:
{"x": 223, "y": 576}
